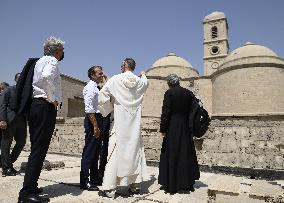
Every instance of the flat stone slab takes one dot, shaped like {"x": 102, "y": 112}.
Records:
{"x": 245, "y": 189}
{"x": 47, "y": 165}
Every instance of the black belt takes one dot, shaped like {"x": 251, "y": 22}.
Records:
{"x": 40, "y": 98}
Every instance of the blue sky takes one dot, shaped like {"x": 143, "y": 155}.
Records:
{"x": 105, "y": 32}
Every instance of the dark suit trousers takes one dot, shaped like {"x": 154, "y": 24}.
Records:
{"x": 17, "y": 129}
{"x": 91, "y": 151}
{"x": 42, "y": 121}
{"x": 0, "y": 147}
{"x": 104, "y": 149}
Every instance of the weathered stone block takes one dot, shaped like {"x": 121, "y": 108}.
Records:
{"x": 211, "y": 144}
{"x": 153, "y": 142}
{"x": 152, "y": 154}
{"x": 229, "y": 145}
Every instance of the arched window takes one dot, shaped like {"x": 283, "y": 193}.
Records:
{"x": 214, "y": 32}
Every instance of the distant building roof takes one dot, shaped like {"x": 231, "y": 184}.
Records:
{"x": 72, "y": 78}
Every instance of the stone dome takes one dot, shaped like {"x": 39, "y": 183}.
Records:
{"x": 248, "y": 50}
{"x": 172, "y": 64}
{"x": 247, "y": 55}
{"x": 171, "y": 60}
{"x": 214, "y": 16}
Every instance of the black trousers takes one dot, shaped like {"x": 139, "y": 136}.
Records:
{"x": 17, "y": 129}
{"x": 0, "y": 147}
{"x": 42, "y": 119}
{"x": 104, "y": 148}
{"x": 91, "y": 151}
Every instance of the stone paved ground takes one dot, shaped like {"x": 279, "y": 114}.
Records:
{"x": 61, "y": 185}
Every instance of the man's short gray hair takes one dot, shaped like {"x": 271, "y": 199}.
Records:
{"x": 173, "y": 80}
{"x": 51, "y": 45}
{"x": 3, "y": 86}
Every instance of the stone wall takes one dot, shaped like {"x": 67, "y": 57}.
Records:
{"x": 73, "y": 103}
{"x": 245, "y": 142}
{"x": 153, "y": 98}
{"x": 151, "y": 137}
{"x": 202, "y": 88}
{"x": 68, "y": 137}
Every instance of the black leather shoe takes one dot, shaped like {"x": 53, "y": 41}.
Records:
{"x": 9, "y": 172}
{"x": 97, "y": 182}
{"x": 191, "y": 188}
{"x": 134, "y": 191}
{"x": 14, "y": 170}
{"x": 33, "y": 199}
{"x": 38, "y": 190}
{"x": 88, "y": 186}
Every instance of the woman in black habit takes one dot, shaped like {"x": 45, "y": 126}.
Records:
{"x": 178, "y": 168}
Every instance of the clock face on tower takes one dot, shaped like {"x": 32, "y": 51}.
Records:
{"x": 215, "y": 65}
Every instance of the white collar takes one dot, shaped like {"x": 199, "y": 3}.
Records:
{"x": 95, "y": 83}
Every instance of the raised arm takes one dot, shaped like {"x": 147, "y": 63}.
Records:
{"x": 143, "y": 83}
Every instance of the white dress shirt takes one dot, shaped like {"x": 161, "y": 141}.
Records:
{"x": 47, "y": 80}
{"x": 91, "y": 95}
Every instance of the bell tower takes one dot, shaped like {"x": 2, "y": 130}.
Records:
{"x": 215, "y": 42}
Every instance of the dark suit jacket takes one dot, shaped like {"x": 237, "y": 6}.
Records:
{"x": 6, "y": 113}
{"x": 24, "y": 89}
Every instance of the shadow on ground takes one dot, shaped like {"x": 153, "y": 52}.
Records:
{"x": 61, "y": 189}
{"x": 147, "y": 184}
{"x": 122, "y": 191}
{"x": 198, "y": 184}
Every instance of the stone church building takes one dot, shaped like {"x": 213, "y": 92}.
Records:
{"x": 243, "y": 91}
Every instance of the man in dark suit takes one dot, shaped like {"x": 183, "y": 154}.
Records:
{"x": 13, "y": 126}
{"x": 3, "y": 86}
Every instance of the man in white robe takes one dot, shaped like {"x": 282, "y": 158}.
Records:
{"x": 123, "y": 94}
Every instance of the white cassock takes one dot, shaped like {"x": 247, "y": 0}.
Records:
{"x": 123, "y": 95}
